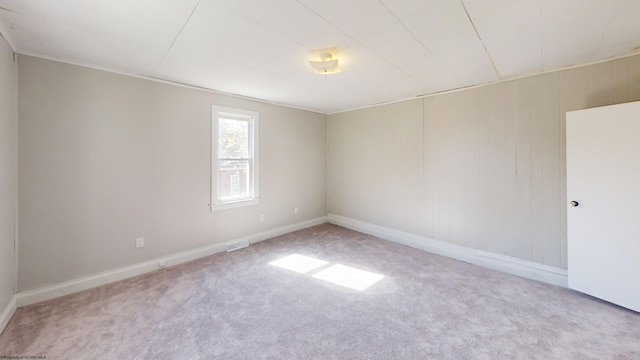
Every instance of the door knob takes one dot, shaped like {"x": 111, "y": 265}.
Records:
{"x": 574, "y": 203}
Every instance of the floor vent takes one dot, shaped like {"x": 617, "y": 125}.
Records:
{"x": 237, "y": 245}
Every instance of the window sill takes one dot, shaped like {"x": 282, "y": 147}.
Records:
{"x": 234, "y": 204}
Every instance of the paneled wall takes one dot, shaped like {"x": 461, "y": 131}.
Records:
{"x": 375, "y": 164}
{"x": 106, "y": 158}
{"x": 482, "y": 168}
{"x": 8, "y": 170}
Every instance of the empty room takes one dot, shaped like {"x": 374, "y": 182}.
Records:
{"x": 319, "y": 179}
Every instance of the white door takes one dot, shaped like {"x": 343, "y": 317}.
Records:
{"x": 603, "y": 179}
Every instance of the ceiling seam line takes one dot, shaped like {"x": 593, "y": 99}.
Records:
{"x": 295, "y": 41}
{"x": 480, "y": 38}
{"x": 405, "y": 27}
{"x": 541, "y": 37}
{"x": 359, "y": 42}
{"x": 327, "y": 21}
{"x": 115, "y": 30}
{"x": 431, "y": 53}
{"x": 606, "y": 29}
{"x": 178, "y": 35}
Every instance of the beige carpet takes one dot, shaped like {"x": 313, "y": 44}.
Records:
{"x": 238, "y": 306}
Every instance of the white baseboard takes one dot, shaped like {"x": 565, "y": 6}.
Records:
{"x": 523, "y": 268}
{"x": 268, "y": 234}
{"x": 507, "y": 264}
{"x": 7, "y": 313}
{"x": 87, "y": 282}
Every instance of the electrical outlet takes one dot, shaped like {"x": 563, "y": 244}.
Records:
{"x": 262, "y": 218}
{"x": 162, "y": 263}
{"x": 139, "y": 242}
{"x": 296, "y": 210}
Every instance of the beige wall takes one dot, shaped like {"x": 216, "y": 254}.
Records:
{"x": 8, "y": 170}
{"x": 375, "y": 164}
{"x": 482, "y": 168}
{"x": 106, "y": 158}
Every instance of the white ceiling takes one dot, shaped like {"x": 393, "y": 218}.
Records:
{"x": 389, "y": 50}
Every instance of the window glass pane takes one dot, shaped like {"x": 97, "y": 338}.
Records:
{"x": 234, "y": 138}
{"x": 233, "y": 176}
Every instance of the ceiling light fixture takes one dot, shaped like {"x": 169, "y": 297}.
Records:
{"x": 327, "y": 64}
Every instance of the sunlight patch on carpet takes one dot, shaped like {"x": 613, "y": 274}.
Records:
{"x": 299, "y": 263}
{"x": 349, "y": 277}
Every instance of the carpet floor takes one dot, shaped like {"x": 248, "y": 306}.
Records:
{"x": 303, "y": 296}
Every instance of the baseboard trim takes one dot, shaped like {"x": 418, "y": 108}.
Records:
{"x": 7, "y": 313}
{"x": 268, "y": 234}
{"x": 29, "y": 297}
{"x": 507, "y": 264}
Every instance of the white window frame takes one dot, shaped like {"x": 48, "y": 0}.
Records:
{"x": 253, "y": 119}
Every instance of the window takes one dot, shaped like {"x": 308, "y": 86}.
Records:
{"x": 234, "y": 165}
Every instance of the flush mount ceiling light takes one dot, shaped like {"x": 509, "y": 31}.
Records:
{"x": 328, "y": 64}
